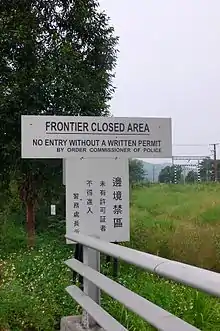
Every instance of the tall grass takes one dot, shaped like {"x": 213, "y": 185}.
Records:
{"x": 178, "y": 222}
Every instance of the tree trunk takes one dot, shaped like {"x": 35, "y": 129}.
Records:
{"x": 29, "y": 197}
{"x": 30, "y": 218}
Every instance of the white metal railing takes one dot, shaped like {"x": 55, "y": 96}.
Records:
{"x": 201, "y": 279}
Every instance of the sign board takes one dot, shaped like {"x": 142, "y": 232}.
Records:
{"x": 52, "y": 209}
{"x": 81, "y": 136}
{"x": 97, "y": 198}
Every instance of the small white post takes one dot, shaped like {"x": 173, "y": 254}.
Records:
{"x": 175, "y": 174}
{"x": 91, "y": 258}
{"x": 198, "y": 171}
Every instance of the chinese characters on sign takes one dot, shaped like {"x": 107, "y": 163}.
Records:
{"x": 117, "y": 206}
{"x": 102, "y": 205}
{"x": 89, "y": 193}
{"x": 76, "y": 216}
{"x": 103, "y": 187}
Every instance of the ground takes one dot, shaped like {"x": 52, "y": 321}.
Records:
{"x": 174, "y": 221}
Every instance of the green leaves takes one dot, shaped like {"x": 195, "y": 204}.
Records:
{"x": 191, "y": 177}
{"x": 56, "y": 57}
{"x": 136, "y": 171}
{"x": 170, "y": 174}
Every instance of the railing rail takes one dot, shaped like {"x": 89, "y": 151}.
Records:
{"x": 201, "y": 279}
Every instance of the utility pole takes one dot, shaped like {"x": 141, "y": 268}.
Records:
{"x": 215, "y": 161}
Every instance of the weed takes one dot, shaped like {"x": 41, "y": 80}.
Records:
{"x": 174, "y": 221}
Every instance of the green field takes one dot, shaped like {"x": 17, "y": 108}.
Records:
{"x": 177, "y": 222}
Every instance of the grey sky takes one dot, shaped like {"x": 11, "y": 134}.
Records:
{"x": 169, "y": 65}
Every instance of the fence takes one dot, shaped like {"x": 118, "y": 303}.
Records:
{"x": 200, "y": 279}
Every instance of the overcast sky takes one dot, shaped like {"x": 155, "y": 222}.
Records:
{"x": 169, "y": 66}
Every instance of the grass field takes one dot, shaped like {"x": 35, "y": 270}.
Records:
{"x": 177, "y": 222}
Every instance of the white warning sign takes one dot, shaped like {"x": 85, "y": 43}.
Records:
{"x": 97, "y": 198}
{"x": 65, "y": 136}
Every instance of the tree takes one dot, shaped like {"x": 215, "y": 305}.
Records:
{"x": 56, "y": 58}
{"x": 170, "y": 174}
{"x": 136, "y": 171}
{"x": 207, "y": 170}
{"x": 191, "y": 177}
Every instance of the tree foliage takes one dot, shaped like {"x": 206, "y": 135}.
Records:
{"x": 136, "y": 171}
{"x": 207, "y": 170}
{"x": 170, "y": 174}
{"x": 56, "y": 58}
{"x": 191, "y": 177}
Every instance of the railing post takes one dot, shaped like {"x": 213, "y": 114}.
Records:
{"x": 78, "y": 255}
{"x": 91, "y": 258}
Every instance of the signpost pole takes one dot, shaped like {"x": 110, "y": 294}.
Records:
{"x": 64, "y": 171}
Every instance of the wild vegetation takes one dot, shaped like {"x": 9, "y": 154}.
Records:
{"x": 58, "y": 58}
{"x": 174, "y": 221}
